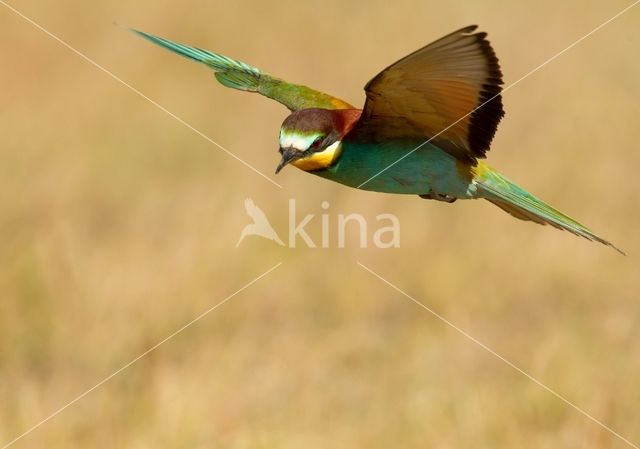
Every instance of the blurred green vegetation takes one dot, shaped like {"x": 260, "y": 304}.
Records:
{"x": 118, "y": 225}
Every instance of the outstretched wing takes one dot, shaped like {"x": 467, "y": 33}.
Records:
{"x": 241, "y": 76}
{"x": 434, "y": 93}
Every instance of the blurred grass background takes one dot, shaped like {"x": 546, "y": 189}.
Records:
{"x": 118, "y": 225}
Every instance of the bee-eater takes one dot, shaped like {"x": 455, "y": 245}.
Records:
{"x": 427, "y": 122}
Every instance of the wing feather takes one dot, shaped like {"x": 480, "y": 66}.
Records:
{"x": 434, "y": 93}
{"x": 241, "y": 76}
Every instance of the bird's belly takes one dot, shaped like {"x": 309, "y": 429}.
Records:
{"x": 393, "y": 167}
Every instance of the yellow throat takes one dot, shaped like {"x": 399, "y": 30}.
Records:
{"x": 321, "y": 159}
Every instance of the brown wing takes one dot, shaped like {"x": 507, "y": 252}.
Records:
{"x": 434, "y": 93}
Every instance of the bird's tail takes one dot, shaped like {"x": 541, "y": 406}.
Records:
{"x": 521, "y": 204}
{"x": 229, "y": 72}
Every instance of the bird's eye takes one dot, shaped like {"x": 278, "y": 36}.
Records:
{"x": 315, "y": 146}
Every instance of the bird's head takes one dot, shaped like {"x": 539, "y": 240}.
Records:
{"x": 310, "y": 140}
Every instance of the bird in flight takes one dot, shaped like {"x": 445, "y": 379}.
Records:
{"x": 427, "y": 123}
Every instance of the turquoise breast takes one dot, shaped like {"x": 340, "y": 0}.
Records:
{"x": 419, "y": 172}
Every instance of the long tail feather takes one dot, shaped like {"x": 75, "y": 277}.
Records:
{"x": 521, "y": 204}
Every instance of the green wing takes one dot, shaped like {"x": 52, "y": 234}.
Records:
{"x": 238, "y": 75}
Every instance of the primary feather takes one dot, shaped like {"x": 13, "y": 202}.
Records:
{"x": 447, "y": 91}
{"x": 241, "y": 76}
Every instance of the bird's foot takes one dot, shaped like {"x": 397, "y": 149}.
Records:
{"x": 438, "y": 197}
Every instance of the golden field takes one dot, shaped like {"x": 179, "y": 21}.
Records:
{"x": 118, "y": 225}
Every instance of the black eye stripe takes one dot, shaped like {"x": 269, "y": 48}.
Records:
{"x": 317, "y": 143}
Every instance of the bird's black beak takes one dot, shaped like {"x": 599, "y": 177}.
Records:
{"x": 288, "y": 155}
